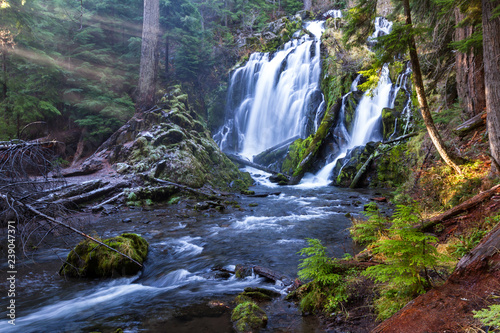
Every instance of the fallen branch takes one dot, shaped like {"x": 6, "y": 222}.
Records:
{"x": 13, "y": 201}
{"x": 85, "y": 197}
{"x": 362, "y": 170}
{"x": 182, "y": 187}
{"x": 101, "y": 205}
{"x": 74, "y": 191}
{"x": 240, "y": 160}
{"x": 472, "y": 202}
{"x": 401, "y": 138}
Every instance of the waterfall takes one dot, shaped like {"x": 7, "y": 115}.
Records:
{"x": 274, "y": 97}
{"x": 366, "y": 125}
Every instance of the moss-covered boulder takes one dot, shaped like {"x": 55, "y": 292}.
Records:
{"x": 248, "y": 317}
{"x": 172, "y": 143}
{"x": 91, "y": 260}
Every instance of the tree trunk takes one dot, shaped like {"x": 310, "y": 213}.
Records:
{"x": 470, "y": 73}
{"x": 307, "y": 4}
{"x": 4, "y": 74}
{"x": 422, "y": 100}
{"x": 491, "y": 55}
{"x": 149, "y": 55}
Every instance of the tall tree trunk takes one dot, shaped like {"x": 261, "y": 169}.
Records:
{"x": 307, "y": 4}
{"x": 491, "y": 55}
{"x": 149, "y": 55}
{"x": 470, "y": 73}
{"x": 4, "y": 75}
{"x": 167, "y": 53}
{"x": 422, "y": 100}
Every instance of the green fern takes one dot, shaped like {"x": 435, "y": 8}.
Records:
{"x": 489, "y": 316}
{"x": 327, "y": 290}
{"x": 409, "y": 254}
{"x": 369, "y": 231}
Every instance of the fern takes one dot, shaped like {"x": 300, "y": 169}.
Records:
{"x": 489, "y": 316}
{"x": 369, "y": 231}
{"x": 327, "y": 290}
{"x": 409, "y": 254}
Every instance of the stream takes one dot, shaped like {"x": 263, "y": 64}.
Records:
{"x": 178, "y": 290}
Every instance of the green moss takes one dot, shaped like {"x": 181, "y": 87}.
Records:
{"x": 89, "y": 259}
{"x": 174, "y": 200}
{"x": 253, "y": 204}
{"x": 247, "y": 192}
{"x": 247, "y": 316}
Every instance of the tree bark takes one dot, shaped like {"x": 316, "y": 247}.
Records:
{"x": 149, "y": 55}
{"x": 422, "y": 100}
{"x": 307, "y": 4}
{"x": 491, "y": 55}
{"x": 470, "y": 73}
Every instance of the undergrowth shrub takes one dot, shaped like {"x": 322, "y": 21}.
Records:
{"x": 408, "y": 256}
{"x": 329, "y": 282}
{"x": 366, "y": 232}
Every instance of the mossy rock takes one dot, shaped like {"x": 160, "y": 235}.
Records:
{"x": 91, "y": 260}
{"x": 248, "y": 317}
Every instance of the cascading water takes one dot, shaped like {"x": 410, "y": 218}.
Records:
{"x": 274, "y": 97}
{"x": 367, "y": 115}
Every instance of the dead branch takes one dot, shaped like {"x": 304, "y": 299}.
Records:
{"x": 13, "y": 202}
{"x": 88, "y": 196}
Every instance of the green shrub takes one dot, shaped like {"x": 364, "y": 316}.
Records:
{"x": 328, "y": 289}
{"x": 408, "y": 256}
{"x": 368, "y": 231}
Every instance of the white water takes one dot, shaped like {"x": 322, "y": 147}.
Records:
{"x": 271, "y": 96}
{"x": 367, "y": 115}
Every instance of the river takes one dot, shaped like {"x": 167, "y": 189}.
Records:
{"x": 178, "y": 290}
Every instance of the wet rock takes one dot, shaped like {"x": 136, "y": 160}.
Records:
{"x": 91, "y": 260}
{"x": 242, "y": 271}
{"x": 280, "y": 179}
{"x": 347, "y": 168}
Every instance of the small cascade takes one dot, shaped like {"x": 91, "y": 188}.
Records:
{"x": 333, "y": 13}
{"x": 366, "y": 126}
{"x": 382, "y": 27}
{"x": 274, "y": 97}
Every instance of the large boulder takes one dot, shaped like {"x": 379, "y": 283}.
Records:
{"x": 172, "y": 143}
{"x": 91, "y": 260}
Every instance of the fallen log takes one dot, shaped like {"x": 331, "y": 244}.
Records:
{"x": 272, "y": 275}
{"x": 73, "y": 191}
{"x": 50, "y": 219}
{"x": 279, "y": 145}
{"x": 362, "y": 170}
{"x": 470, "y": 125}
{"x": 240, "y": 160}
{"x": 86, "y": 197}
{"x": 468, "y": 204}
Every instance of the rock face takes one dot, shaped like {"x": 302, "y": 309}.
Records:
{"x": 91, "y": 260}
{"x": 172, "y": 143}
{"x": 347, "y": 168}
